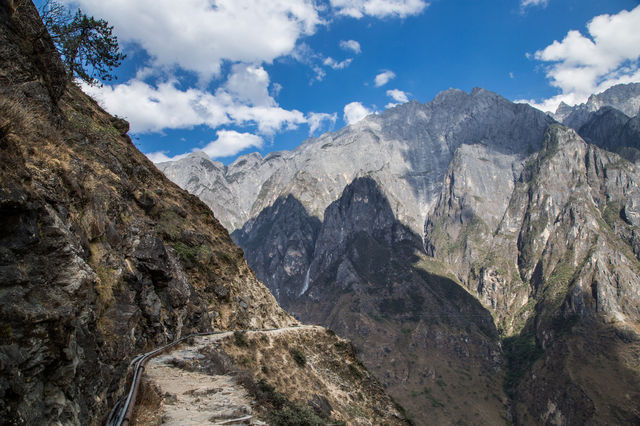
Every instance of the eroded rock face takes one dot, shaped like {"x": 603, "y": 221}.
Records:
{"x": 101, "y": 256}
{"x": 560, "y": 273}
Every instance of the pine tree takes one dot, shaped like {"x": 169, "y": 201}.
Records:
{"x": 87, "y": 45}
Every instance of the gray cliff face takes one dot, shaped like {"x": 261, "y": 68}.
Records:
{"x": 559, "y": 271}
{"x": 406, "y": 150}
{"x": 280, "y": 244}
{"x": 612, "y": 130}
{"x": 623, "y": 97}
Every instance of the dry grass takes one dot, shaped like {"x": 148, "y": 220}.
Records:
{"x": 330, "y": 372}
{"x": 21, "y": 119}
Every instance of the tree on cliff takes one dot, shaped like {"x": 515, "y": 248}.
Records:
{"x": 87, "y": 45}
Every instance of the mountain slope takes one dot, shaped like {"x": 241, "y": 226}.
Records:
{"x": 101, "y": 256}
{"x": 560, "y": 273}
{"x": 435, "y": 345}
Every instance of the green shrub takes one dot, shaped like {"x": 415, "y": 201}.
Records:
{"x": 299, "y": 357}
{"x": 295, "y": 415}
{"x": 240, "y": 338}
{"x": 520, "y": 352}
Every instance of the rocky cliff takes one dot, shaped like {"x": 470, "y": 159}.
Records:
{"x": 610, "y": 119}
{"x": 101, "y": 256}
{"x": 559, "y": 272}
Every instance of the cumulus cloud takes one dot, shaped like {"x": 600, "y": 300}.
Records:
{"x": 151, "y": 109}
{"x": 398, "y": 95}
{"x": 198, "y": 35}
{"x": 243, "y": 100}
{"x": 383, "y": 78}
{"x": 330, "y": 62}
{"x": 352, "y": 45}
{"x": 580, "y": 65}
{"x": 318, "y": 121}
{"x": 379, "y": 8}
{"x": 161, "y": 156}
{"x": 249, "y": 84}
{"x": 230, "y": 142}
{"x": 354, "y": 112}
{"x": 227, "y": 143}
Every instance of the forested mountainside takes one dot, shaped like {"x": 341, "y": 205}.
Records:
{"x": 102, "y": 257}
{"x": 483, "y": 257}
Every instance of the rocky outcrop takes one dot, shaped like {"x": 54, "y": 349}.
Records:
{"x": 101, "y": 256}
{"x": 30, "y": 62}
{"x": 560, "y": 273}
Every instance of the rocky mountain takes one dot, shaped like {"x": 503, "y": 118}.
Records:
{"x": 482, "y": 257}
{"x": 623, "y": 97}
{"x": 101, "y": 256}
{"x": 405, "y": 149}
{"x": 560, "y": 273}
{"x": 610, "y": 119}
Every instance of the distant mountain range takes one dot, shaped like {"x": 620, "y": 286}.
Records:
{"x": 482, "y": 254}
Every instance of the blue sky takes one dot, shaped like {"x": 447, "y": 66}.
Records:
{"x": 234, "y": 76}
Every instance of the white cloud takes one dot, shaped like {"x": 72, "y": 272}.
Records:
{"x": 316, "y": 121}
{"x": 151, "y": 109}
{"x": 198, "y": 35}
{"x": 249, "y": 84}
{"x": 383, "y": 78}
{"x": 227, "y": 143}
{"x": 525, "y": 3}
{"x": 354, "y": 112}
{"x": 161, "y": 157}
{"x": 242, "y": 100}
{"x": 398, "y": 95}
{"x": 330, "y": 62}
{"x": 230, "y": 142}
{"x": 319, "y": 73}
{"x": 304, "y": 54}
{"x": 379, "y": 8}
{"x": 351, "y": 45}
{"x": 582, "y": 65}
